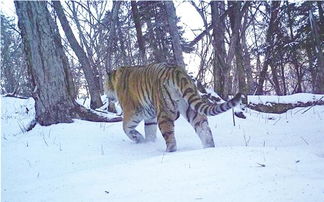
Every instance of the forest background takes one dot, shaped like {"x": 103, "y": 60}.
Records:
{"x": 255, "y": 47}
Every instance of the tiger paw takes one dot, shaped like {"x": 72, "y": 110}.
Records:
{"x": 171, "y": 147}
{"x": 138, "y": 138}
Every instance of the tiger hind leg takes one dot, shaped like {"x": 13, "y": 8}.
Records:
{"x": 201, "y": 127}
{"x": 129, "y": 125}
{"x": 166, "y": 126}
{"x": 150, "y": 126}
{"x": 199, "y": 123}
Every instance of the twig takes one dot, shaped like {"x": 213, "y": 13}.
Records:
{"x": 277, "y": 121}
{"x": 45, "y": 140}
{"x": 304, "y": 140}
{"x": 313, "y": 105}
{"x": 233, "y": 117}
{"x": 246, "y": 140}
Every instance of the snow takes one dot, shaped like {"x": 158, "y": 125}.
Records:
{"x": 265, "y": 157}
{"x": 294, "y": 99}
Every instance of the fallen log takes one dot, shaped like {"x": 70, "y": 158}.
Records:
{"x": 278, "y": 108}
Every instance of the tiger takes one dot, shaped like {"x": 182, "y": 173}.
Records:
{"x": 158, "y": 94}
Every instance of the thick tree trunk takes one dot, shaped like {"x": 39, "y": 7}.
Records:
{"x": 47, "y": 63}
{"x": 48, "y": 66}
{"x": 93, "y": 84}
{"x": 174, "y": 32}
{"x": 139, "y": 33}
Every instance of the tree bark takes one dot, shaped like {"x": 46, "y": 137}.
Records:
{"x": 139, "y": 33}
{"x": 247, "y": 57}
{"x": 46, "y": 61}
{"x": 319, "y": 85}
{"x": 220, "y": 68}
{"x": 174, "y": 32}
{"x": 275, "y": 79}
{"x": 112, "y": 33}
{"x": 273, "y": 24}
{"x": 235, "y": 19}
{"x": 94, "y": 87}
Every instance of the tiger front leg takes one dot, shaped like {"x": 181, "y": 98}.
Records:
{"x": 129, "y": 125}
{"x": 150, "y": 126}
{"x": 166, "y": 126}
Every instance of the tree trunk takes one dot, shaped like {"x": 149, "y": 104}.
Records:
{"x": 220, "y": 68}
{"x": 93, "y": 84}
{"x": 283, "y": 78}
{"x": 112, "y": 33}
{"x": 247, "y": 57}
{"x": 47, "y": 63}
{"x": 48, "y": 66}
{"x": 139, "y": 33}
{"x": 174, "y": 32}
{"x": 273, "y": 24}
{"x": 320, "y": 57}
{"x": 320, "y": 6}
{"x": 275, "y": 79}
{"x": 294, "y": 52}
{"x": 97, "y": 77}
{"x": 235, "y": 19}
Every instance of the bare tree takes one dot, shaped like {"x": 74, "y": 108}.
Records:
{"x": 139, "y": 33}
{"x": 93, "y": 84}
{"x": 319, "y": 85}
{"x": 273, "y": 25}
{"x": 220, "y": 69}
{"x": 14, "y": 75}
{"x": 236, "y": 15}
{"x": 48, "y": 65}
{"x": 174, "y": 32}
{"x": 46, "y": 61}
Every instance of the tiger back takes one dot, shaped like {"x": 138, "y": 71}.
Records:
{"x": 157, "y": 93}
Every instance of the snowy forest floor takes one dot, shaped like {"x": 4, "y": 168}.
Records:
{"x": 265, "y": 157}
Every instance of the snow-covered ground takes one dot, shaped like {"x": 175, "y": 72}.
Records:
{"x": 293, "y": 99}
{"x": 266, "y": 157}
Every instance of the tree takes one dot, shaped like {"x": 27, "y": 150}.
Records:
{"x": 139, "y": 33}
{"x": 270, "y": 37}
{"x": 47, "y": 63}
{"x": 93, "y": 84}
{"x": 220, "y": 69}
{"x": 163, "y": 38}
{"x": 236, "y": 15}
{"x": 50, "y": 75}
{"x": 174, "y": 32}
{"x": 319, "y": 86}
{"x": 14, "y": 75}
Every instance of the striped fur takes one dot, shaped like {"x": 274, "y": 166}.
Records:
{"x": 157, "y": 93}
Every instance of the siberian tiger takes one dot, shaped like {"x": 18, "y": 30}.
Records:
{"x": 156, "y": 93}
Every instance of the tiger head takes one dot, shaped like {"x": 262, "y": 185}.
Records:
{"x": 109, "y": 88}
